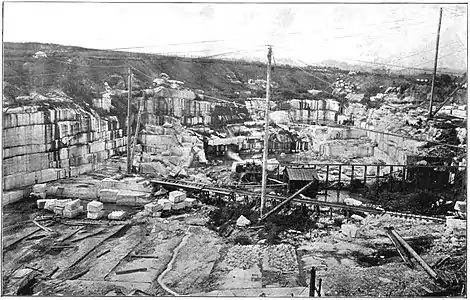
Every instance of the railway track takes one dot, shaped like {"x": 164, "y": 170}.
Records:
{"x": 193, "y": 186}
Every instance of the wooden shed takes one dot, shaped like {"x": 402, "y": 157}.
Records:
{"x": 298, "y": 177}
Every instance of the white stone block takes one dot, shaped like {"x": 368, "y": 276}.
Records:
{"x": 190, "y": 202}
{"x": 165, "y": 203}
{"x": 94, "y": 206}
{"x": 349, "y": 230}
{"x": 71, "y": 213}
{"x": 39, "y": 188}
{"x": 72, "y": 205}
{"x": 94, "y": 215}
{"x": 178, "y": 206}
{"x": 50, "y": 204}
{"x": 177, "y": 196}
{"x": 117, "y": 215}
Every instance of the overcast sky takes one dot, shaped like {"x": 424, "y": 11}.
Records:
{"x": 402, "y": 34}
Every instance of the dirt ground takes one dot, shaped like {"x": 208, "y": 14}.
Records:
{"x": 179, "y": 255}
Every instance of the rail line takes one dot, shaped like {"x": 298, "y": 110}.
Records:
{"x": 193, "y": 186}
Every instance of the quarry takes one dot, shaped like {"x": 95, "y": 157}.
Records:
{"x": 365, "y": 194}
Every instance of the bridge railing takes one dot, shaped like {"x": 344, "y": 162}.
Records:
{"x": 396, "y": 178}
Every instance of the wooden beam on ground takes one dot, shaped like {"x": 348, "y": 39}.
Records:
{"x": 423, "y": 264}
{"x": 131, "y": 271}
{"x": 87, "y": 236}
{"x": 400, "y": 248}
{"x": 277, "y": 208}
{"x": 6, "y": 245}
{"x": 42, "y": 227}
{"x": 70, "y": 234}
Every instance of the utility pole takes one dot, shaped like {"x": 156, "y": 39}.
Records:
{"x": 266, "y": 134}
{"x": 129, "y": 94}
{"x": 435, "y": 64}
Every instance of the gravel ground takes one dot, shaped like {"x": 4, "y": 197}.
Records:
{"x": 244, "y": 257}
{"x": 282, "y": 257}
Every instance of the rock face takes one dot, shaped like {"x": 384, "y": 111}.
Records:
{"x": 42, "y": 144}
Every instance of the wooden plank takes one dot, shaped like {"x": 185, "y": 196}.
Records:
{"x": 129, "y": 271}
{"x": 88, "y": 235}
{"x": 70, "y": 234}
{"x": 42, "y": 227}
{"x": 7, "y": 245}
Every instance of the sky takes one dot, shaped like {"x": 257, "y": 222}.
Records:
{"x": 400, "y": 34}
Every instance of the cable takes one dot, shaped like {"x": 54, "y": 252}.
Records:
{"x": 342, "y": 28}
{"x": 424, "y": 51}
{"x": 232, "y": 52}
{"x": 302, "y": 69}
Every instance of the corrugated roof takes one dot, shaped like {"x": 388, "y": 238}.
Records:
{"x": 302, "y": 174}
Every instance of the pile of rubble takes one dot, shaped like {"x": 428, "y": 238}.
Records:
{"x": 244, "y": 257}
{"x": 281, "y": 257}
{"x": 343, "y": 88}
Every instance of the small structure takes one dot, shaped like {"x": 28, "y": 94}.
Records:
{"x": 298, "y": 177}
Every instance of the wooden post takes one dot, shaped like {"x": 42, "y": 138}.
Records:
{"x": 311, "y": 292}
{"x": 326, "y": 182}
{"x": 266, "y": 135}
{"x": 365, "y": 179}
{"x": 129, "y": 94}
{"x": 435, "y": 64}
{"x": 339, "y": 183}
{"x": 352, "y": 178}
{"x": 319, "y": 287}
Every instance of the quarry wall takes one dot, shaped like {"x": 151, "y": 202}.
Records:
{"x": 42, "y": 145}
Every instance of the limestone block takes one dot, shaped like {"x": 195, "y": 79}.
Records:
{"x": 190, "y": 202}
{"x": 94, "y": 206}
{"x": 13, "y": 196}
{"x": 153, "y": 207}
{"x": 50, "y": 204}
{"x": 165, "y": 203}
{"x": 117, "y": 215}
{"x": 95, "y": 215}
{"x": 456, "y": 226}
{"x": 349, "y": 230}
{"x": 71, "y": 213}
{"x": 59, "y": 210}
{"x": 72, "y": 205}
{"x": 178, "y": 205}
{"x": 177, "y": 196}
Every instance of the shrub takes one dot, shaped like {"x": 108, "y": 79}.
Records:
{"x": 242, "y": 239}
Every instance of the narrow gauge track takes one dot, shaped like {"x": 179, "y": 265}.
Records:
{"x": 228, "y": 192}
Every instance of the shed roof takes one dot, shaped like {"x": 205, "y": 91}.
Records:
{"x": 302, "y": 174}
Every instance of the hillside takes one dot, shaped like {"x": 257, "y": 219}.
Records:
{"x": 94, "y": 67}
{"x": 81, "y": 73}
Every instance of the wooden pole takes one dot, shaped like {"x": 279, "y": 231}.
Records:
{"x": 288, "y": 200}
{"x": 266, "y": 134}
{"x": 311, "y": 292}
{"x": 423, "y": 264}
{"x": 435, "y": 65}
{"x": 448, "y": 98}
{"x": 129, "y": 95}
